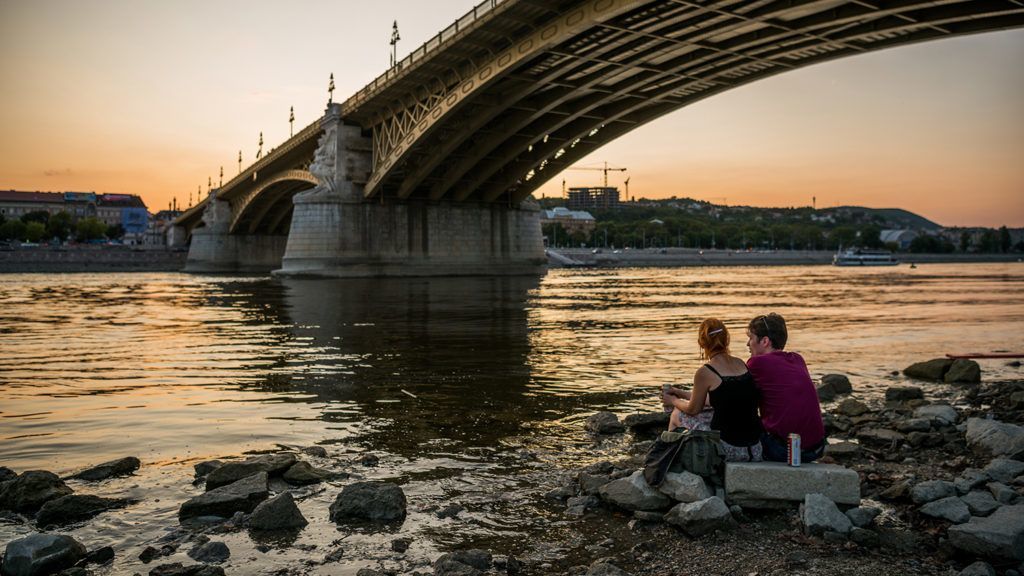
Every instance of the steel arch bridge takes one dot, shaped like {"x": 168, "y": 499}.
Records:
{"x": 517, "y": 90}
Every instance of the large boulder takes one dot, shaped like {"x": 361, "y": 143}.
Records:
{"x": 950, "y": 508}
{"x": 862, "y": 516}
{"x": 836, "y": 383}
{"x": 119, "y": 467}
{"x": 7, "y": 474}
{"x": 372, "y": 501}
{"x": 234, "y": 471}
{"x": 963, "y": 371}
{"x": 942, "y": 414}
{"x": 776, "y": 485}
{"x": 819, "y": 514}
{"x": 74, "y": 508}
{"x": 604, "y": 423}
{"x": 39, "y": 554}
{"x": 1004, "y": 470}
{"x": 995, "y": 437}
{"x": 980, "y": 503}
{"x": 699, "y": 518}
{"x": 647, "y": 421}
{"x": 241, "y": 496}
{"x": 277, "y": 513}
{"x": 931, "y": 370}
{"x": 932, "y": 490}
{"x": 29, "y": 491}
{"x": 685, "y": 487}
{"x": 633, "y": 493}
{"x": 1000, "y": 535}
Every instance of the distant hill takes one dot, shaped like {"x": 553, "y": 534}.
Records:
{"x": 895, "y": 217}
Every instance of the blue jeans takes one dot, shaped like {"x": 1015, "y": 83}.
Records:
{"x": 774, "y": 449}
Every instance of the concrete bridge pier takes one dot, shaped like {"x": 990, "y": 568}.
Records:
{"x": 215, "y": 249}
{"x": 335, "y": 232}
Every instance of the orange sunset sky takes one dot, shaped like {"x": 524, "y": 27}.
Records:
{"x": 152, "y": 98}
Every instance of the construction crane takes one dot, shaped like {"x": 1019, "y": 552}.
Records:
{"x": 606, "y": 170}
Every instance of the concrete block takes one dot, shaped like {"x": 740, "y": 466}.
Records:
{"x": 777, "y": 485}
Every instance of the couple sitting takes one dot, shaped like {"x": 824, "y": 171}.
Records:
{"x": 773, "y": 382}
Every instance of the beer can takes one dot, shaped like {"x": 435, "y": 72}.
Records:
{"x": 793, "y": 450}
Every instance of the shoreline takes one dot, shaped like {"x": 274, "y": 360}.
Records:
{"x": 79, "y": 259}
{"x": 691, "y": 257}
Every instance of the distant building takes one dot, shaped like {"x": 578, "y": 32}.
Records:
{"x": 901, "y": 238}
{"x": 599, "y": 198}
{"x": 571, "y": 220}
{"x": 127, "y": 210}
{"x": 14, "y": 204}
{"x": 159, "y": 225}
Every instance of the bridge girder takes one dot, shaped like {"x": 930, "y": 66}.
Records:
{"x": 250, "y": 211}
{"x": 505, "y": 122}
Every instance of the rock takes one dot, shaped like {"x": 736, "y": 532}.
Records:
{"x": 1004, "y": 470}
{"x": 241, "y": 496}
{"x": 99, "y": 556}
{"x": 970, "y": 479}
{"x": 605, "y": 568}
{"x": 684, "y": 487}
{"x": 647, "y": 421}
{"x": 368, "y": 460}
{"x": 560, "y": 493}
{"x": 941, "y": 413}
{"x": 979, "y": 568}
{"x": 475, "y": 557}
{"x": 591, "y": 483}
{"x": 839, "y": 383}
{"x": 401, "y": 545}
{"x": 177, "y": 569}
{"x": 449, "y": 511}
{"x": 579, "y": 505}
{"x": 931, "y": 370}
{"x": 995, "y": 437}
{"x": 210, "y": 553}
{"x": 150, "y": 553}
{"x": 701, "y": 517}
{"x": 369, "y": 572}
{"x": 924, "y": 438}
{"x": 896, "y": 491}
{"x": 774, "y": 484}
{"x": 825, "y": 393}
{"x": 39, "y": 554}
{"x": 234, "y": 471}
{"x": 980, "y": 503}
{"x": 373, "y": 501}
{"x": 963, "y": 372}
{"x": 119, "y": 467}
{"x": 1001, "y": 492}
{"x": 633, "y": 493}
{"x": 834, "y": 537}
{"x": 852, "y": 407}
{"x": 931, "y": 490}
{"x": 277, "y": 513}
{"x": 204, "y": 468}
{"x": 819, "y": 514}
{"x": 302, "y": 473}
{"x": 842, "y": 449}
{"x": 864, "y": 537}
{"x": 862, "y": 516}
{"x": 900, "y": 393}
{"x": 74, "y": 508}
{"x": 29, "y": 491}
{"x": 7, "y": 474}
{"x": 1000, "y": 535}
{"x": 915, "y": 425}
{"x": 950, "y": 508}
{"x": 317, "y": 451}
{"x": 880, "y": 436}
{"x": 604, "y": 423}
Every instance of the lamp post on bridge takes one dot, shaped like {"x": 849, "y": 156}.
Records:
{"x": 330, "y": 90}
{"x": 259, "y": 152}
{"x": 291, "y": 121}
{"x": 220, "y": 184}
{"x": 239, "y": 161}
{"x": 395, "y": 37}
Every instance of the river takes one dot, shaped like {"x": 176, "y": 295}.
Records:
{"x": 469, "y": 390}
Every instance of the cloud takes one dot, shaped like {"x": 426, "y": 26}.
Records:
{"x": 57, "y": 172}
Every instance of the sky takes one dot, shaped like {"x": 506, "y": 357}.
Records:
{"x": 152, "y": 97}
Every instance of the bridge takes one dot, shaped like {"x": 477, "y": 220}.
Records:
{"x": 429, "y": 169}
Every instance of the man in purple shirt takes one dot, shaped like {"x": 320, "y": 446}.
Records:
{"x": 789, "y": 402}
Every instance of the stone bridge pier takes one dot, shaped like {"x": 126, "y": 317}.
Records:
{"x": 337, "y": 232}
{"x": 215, "y": 249}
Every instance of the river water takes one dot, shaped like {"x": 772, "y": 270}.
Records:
{"x": 470, "y": 391}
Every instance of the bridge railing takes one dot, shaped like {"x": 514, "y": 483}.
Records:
{"x": 427, "y": 49}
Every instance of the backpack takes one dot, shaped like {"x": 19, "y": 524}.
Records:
{"x": 695, "y": 451}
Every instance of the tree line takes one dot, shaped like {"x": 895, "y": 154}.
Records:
{"x": 42, "y": 226}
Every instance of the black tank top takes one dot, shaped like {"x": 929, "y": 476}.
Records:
{"x": 735, "y": 403}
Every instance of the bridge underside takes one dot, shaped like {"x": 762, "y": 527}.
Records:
{"x": 477, "y": 130}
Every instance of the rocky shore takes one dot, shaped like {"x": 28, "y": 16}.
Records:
{"x": 928, "y": 481}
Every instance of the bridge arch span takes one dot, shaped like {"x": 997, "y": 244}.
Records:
{"x": 267, "y": 207}
{"x": 575, "y": 75}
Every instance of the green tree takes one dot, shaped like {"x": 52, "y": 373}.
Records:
{"x": 41, "y": 216}
{"x": 871, "y": 236}
{"x": 989, "y": 241}
{"x": 965, "y": 241}
{"x": 931, "y": 244}
{"x": 89, "y": 229}
{"x": 1005, "y": 241}
{"x": 12, "y": 230}
{"x": 34, "y": 231}
{"x": 115, "y": 232}
{"x": 59, "y": 226}
{"x": 842, "y": 237}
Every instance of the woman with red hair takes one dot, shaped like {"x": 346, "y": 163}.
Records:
{"x": 725, "y": 384}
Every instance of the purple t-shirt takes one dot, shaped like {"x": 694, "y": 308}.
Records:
{"x": 789, "y": 402}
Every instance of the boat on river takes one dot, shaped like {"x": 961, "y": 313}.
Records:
{"x": 864, "y": 257}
